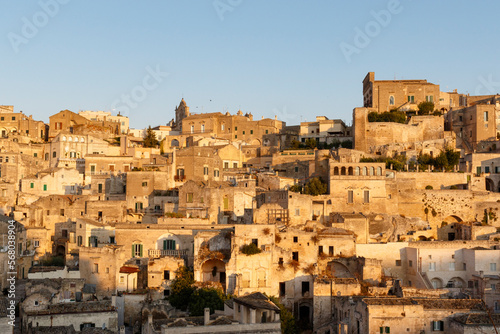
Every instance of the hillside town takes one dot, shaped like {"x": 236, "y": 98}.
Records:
{"x": 222, "y": 222}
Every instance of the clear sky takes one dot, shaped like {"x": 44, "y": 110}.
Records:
{"x": 293, "y": 59}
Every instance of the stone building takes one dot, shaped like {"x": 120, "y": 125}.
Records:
{"x": 16, "y": 256}
{"x": 389, "y": 138}
{"x": 385, "y": 95}
{"x": 106, "y": 116}
{"x": 69, "y": 122}
{"x": 12, "y": 124}
{"x": 325, "y": 130}
{"x": 56, "y": 181}
{"x": 399, "y": 315}
{"x": 67, "y": 149}
{"x": 476, "y": 126}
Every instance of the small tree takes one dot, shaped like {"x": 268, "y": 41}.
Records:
{"x": 182, "y": 288}
{"x": 150, "y": 138}
{"x": 425, "y": 108}
{"x": 315, "y": 187}
{"x": 311, "y": 143}
{"x": 206, "y": 297}
{"x": 288, "y": 324}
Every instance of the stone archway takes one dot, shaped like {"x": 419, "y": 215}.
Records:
{"x": 437, "y": 283}
{"x": 453, "y": 219}
{"x": 214, "y": 271}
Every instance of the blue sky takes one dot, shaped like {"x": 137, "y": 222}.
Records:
{"x": 269, "y": 58}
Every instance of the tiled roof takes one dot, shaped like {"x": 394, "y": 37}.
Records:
{"x": 78, "y": 307}
{"x": 256, "y": 300}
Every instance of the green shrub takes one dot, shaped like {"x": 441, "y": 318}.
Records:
{"x": 250, "y": 249}
{"x": 391, "y": 116}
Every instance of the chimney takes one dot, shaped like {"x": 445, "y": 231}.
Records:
{"x": 206, "y": 317}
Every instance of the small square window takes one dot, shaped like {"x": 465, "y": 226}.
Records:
{"x": 295, "y": 239}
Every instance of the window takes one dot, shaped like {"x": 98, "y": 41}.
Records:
{"x": 410, "y": 263}
{"x": 243, "y": 132}
{"x": 13, "y": 118}
{"x": 487, "y": 169}
{"x": 267, "y": 132}
{"x": 465, "y": 266}
{"x": 295, "y": 239}
{"x": 205, "y": 170}
{"x": 36, "y": 301}
{"x": 235, "y": 128}
{"x": 295, "y": 256}
{"x": 485, "y": 116}
{"x": 330, "y": 250}
{"x": 452, "y": 266}
{"x": 438, "y": 326}
{"x": 493, "y": 267}
{"x": 166, "y": 275}
{"x": 366, "y": 196}
{"x": 251, "y": 132}
{"x": 44, "y": 187}
{"x": 216, "y": 173}
{"x": 429, "y": 98}
{"x": 32, "y": 185}
{"x": 61, "y": 212}
{"x": 350, "y": 196}
{"x": 226, "y": 165}
{"x": 192, "y": 128}
{"x": 320, "y": 250}
{"x": 296, "y": 169}
{"x": 95, "y": 268}
{"x": 222, "y": 126}
{"x": 398, "y": 263}
{"x": 305, "y": 287}
{"x": 2, "y": 118}
{"x": 189, "y": 198}
{"x": 99, "y": 188}
{"x": 235, "y": 165}
{"x": 169, "y": 244}
{"x": 432, "y": 266}
{"x": 122, "y": 279}
{"x": 297, "y": 212}
{"x": 282, "y": 289}
{"x": 385, "y": 329}
{"x": 35, "y": 155}
{"x": 411, "y": 98}
{"x": 144, "y": 183}
{"x": 37, "y": 243}
{"x": 136, "y": 250}
{"x": 391, "y": 100}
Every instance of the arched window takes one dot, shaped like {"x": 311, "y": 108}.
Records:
{"x": 365, "y": 170}
{"x": 342, "y": 171}
{"x": 336, "y": 171}
{"x": 356, "y": 170}
{"x": 391, "y": 100}
{"x": 379, "y": 171}
{"x": 372, "y": 171}
{"x": 350, "y": 171}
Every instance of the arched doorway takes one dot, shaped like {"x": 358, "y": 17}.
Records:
{"x": 214, "y": 271}
{"x": 437, "y": 283}
{"x": 455, "y": 282}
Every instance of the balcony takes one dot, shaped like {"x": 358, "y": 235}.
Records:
{"x": 169, "y": 252}
{"x": 180, "y": 178}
